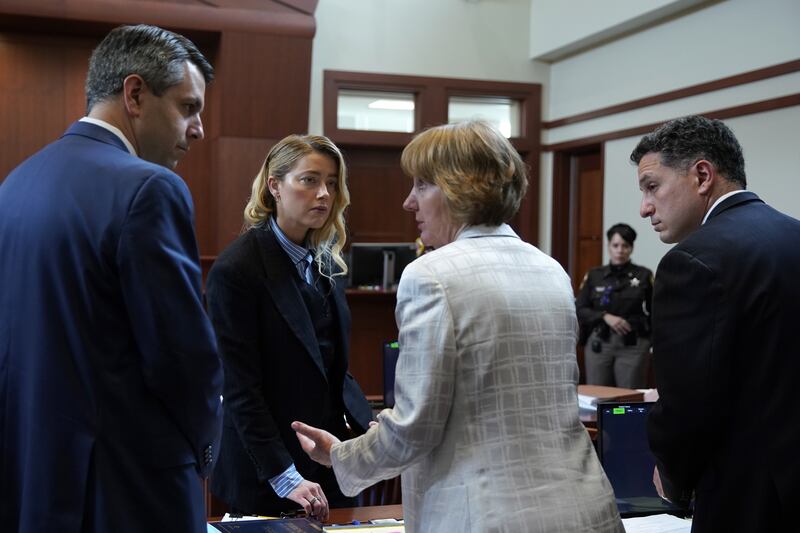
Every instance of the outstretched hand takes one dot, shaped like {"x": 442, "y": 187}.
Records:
{"x": 317, "y": 443}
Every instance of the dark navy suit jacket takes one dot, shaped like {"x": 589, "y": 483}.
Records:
{"x": 727, "y": 366}
{"x": 274, "y": 373}
{"x": 110, "y": 380}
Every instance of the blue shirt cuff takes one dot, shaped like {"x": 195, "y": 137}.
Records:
{"x": 283, "y": 484}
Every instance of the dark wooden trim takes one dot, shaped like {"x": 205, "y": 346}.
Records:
{"x": 304, "y": 6}
{"x": 559, "y": 216}
{"x": 431, "y": 97}
{"x": 721, "y": 114}
{"x": 275, "y": 18}
{"x": 693, "y": 90}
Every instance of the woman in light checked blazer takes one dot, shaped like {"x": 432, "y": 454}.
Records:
{"x": 485, "y": 428}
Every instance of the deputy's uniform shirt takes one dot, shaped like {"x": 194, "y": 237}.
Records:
{"x": 622, "y": 290}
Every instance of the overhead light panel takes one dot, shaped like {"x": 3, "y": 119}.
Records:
{"x": 401, "y": 105}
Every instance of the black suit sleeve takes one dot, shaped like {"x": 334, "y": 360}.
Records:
{"x": 691, "y": 331}
{"x": 233, "y": 307}
{"x": 587, "y": 314}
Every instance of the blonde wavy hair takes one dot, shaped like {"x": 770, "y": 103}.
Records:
{"x": 328, "y": 240}
{"x": 481, "y": 175}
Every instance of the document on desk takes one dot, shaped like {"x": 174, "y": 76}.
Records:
{"x": 366, "y": 528}
{"x": 588, "y": 403}
{"x": 657, "y": 523}
{"x": 283, "y": 525}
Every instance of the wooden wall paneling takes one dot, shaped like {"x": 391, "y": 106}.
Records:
{"x": 373, "y": 324}
{"x": 559, "y": 248}
{"x": 526, "y": 221}
{"x": 196, "y": 168}
{"x": 589, "y": 224}
{"x": 432, "y": 103}
{"x": 377, "y": 190}
{"x": 433, "y": 106}
{"x": 238, "y": 162}
{"x": 266, "y": 16}
{"x": 41, "y": 92}
{"x": 265, "y": 80}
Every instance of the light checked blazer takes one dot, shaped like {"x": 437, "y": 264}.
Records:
{"x": 485, "y": 428}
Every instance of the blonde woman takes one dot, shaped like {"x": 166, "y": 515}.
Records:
{"x": 276, "y": 301}
{"x": 485, "y": 426}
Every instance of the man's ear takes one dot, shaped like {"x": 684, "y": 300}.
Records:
{"x": 706, "y": 174}
{"x": 132, "y": 89}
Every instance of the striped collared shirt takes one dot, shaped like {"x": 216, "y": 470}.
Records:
{"x": 284, "y": 483}
{"x": 300, "y": 256}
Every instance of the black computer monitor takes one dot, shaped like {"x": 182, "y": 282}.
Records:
{"x": 626, "y": 458}
{"x": 391, "y": 351}
{"x": 378, "y": 265}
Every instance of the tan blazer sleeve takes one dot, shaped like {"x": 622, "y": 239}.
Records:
{"x": 424, "y": 388}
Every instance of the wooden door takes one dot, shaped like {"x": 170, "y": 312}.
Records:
{"x": 577, "y": 241}
{"x": 587, "y": 242}
{"x": 577, "y": 238}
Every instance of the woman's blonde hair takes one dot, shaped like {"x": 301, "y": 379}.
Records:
{"x": 480, "y": 174}
{"x": 328, "y": 240}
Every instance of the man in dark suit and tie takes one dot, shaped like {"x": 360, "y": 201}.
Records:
{"x": 110, "y": 380}
{"x": 725, "y": 429}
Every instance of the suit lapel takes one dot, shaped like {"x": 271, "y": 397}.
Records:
{"x": 279, "y": 281}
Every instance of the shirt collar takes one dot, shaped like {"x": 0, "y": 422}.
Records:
{"x": 480, "y": 230}
{"x": 296, "y": 252}
{"x": 113, "y": 129}
{"x": 719, "y": 200}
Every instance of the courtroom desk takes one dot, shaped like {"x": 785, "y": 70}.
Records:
{"x": 373, "y": 324}
{"x": 363, "y": 514}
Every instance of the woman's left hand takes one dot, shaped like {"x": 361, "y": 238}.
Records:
{"x": 317, "y": 443}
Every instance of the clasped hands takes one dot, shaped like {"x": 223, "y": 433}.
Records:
{"x": 619, "y": 325}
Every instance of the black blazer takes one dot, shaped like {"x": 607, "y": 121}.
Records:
{"x": 728, "y": 367}
{"x": 274, "y": 372}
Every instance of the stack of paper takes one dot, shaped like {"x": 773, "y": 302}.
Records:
{"x": 657, "y": 523}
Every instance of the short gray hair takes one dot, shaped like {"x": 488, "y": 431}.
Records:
{"x": 155, "y": 54}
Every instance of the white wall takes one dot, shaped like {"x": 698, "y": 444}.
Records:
{"x": 485, "y": 40}
{"x": 721, "y": 40}
{"x": 560, "y": 28}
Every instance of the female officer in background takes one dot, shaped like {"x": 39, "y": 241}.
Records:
{"x": 614, "y": 310}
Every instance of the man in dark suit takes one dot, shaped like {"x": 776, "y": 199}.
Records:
{"x": 110, "y": 380}
{"x": 725, "y": 429}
